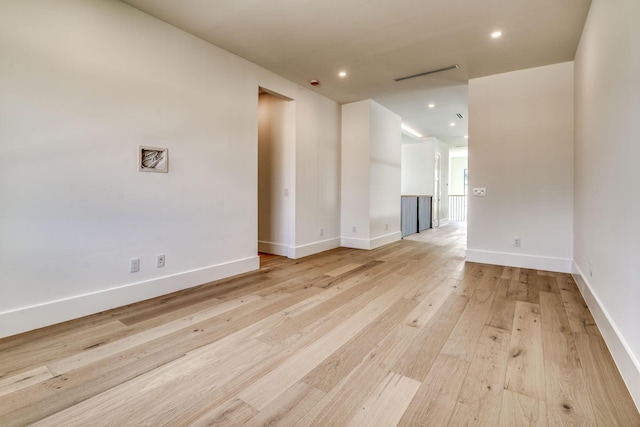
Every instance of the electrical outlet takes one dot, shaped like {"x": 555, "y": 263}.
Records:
{"x": 322, "y": 231}
{"x": 590, "y": 268}
{"x": 386, "y": 227}
{"x": 480, "y": 192}
{"x": 160, "y": 261}
{"x": 134, "y": 265}
{"x": 354, "y": 229}
{"x": 516, "y": 242}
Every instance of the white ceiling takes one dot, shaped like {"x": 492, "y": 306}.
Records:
{"x": 377, "y": 41}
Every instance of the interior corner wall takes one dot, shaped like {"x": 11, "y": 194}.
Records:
{"x": 521, "y": 151}
{"x": 83, "y": 85}
{"x": 607, "y": 201}
{"x": 371, "y": 157}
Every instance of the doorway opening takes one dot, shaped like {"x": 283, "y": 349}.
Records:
{"x": 276, "y": 180}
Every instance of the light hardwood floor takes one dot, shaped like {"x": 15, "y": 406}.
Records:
{"x": 408, "y": 334}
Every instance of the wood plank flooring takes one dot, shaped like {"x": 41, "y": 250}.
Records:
{"x": 409, "y": 334}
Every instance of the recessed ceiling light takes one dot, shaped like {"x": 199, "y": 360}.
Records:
{"x": 342, "y": 74}
{"x": 496, "y": 34}
{"x": 452, "y": 124}
{"x": 431, "y": 105}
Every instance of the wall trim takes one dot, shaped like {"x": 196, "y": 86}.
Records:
{"x": 367, "y": 244}
{"x": 625, "y": 360}
{"x": 355, "y": 243}
{"x": 560, "y": 265}
{"x": 376, "y": 242}
{"x": 37, "y": 316}
{"x": 301, "y": 251}
{"x": 273, "y": 248}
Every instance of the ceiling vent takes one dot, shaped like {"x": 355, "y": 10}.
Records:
{"x": 459, "y": 116}
{"x": 426, "y": 73}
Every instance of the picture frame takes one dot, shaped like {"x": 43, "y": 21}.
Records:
{"x": 153, "y": 159}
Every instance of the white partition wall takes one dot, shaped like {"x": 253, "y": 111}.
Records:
{"x": 370, "y": 175}
{"x": 83, "y": 84}
{"x": 417, "y": 166}
{"x": 607, "y": 201}
{"x": 521, "y": 152}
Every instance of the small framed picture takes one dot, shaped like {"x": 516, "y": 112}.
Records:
{"x": 153, "y": 159}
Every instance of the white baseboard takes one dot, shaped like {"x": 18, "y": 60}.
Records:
{"x": 355, "y": 243}
{"x": 300, "y": 251}
{"x": 273, "y": 248}
{"x": 314, "y": 248}
{"x": 376, "y": 242}
{"x": 626, "y": 361}
{"x": 560, "y": 265}
{"x": 367, "y": 244}
{"x": 37, "y": 316}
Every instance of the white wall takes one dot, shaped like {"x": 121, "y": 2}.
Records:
{"x": 607, "y": 200}
{"x": 355, "y": 166}
{"x": 522, "y": 153}
{"x": 317, "y": 172}
{"x": 384, "y": 175}
{"x": 83, "y": 84}
{"x": 418, "y": 170}
{"x": 371, "y": 158}
{"x": 417, "y": 167}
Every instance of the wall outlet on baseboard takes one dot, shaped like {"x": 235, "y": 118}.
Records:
{"x": 354, "y": 229}
{"x": 160, "y": 261}
{"x": 386, "y": 227}
{"x": 516, "y": 242}
{"x": 322, "y": 231}
{"x": 134, "y": 265}
{"x": 590, "y": 268}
